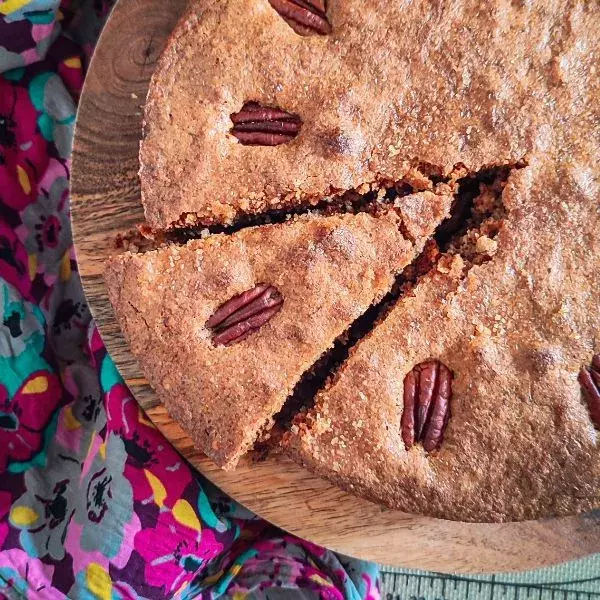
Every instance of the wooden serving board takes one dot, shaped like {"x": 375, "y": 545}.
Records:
{"x": 106, "y": 201}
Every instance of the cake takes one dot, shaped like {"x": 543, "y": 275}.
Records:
{"x": 393, "y": 90}
{"x": 473, "y": 391}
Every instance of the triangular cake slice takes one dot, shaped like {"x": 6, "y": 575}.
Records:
{"x": 224, "y": 327}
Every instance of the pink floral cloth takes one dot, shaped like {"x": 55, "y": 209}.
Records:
{"x": 94, "y": 502}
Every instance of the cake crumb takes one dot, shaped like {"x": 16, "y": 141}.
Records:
{"x": 485, "y": 245}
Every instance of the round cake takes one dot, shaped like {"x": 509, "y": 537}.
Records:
{"x": 396, "y": 279}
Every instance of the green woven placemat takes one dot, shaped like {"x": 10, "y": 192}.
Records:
{"x": 576, "y": 580}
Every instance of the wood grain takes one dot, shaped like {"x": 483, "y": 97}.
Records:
{"x": 106, "y": 201}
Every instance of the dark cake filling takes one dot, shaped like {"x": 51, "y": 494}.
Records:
{"x": 369, "y": 198}
{"x": 373, "y": 200}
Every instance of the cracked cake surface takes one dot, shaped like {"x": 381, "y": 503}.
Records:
{"x": 326, "y": 270}
{"x": 514, "y": 331}
{"x": 246, "y": 114}
{"x": 394, "y": 85}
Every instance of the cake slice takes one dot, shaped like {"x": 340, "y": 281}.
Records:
{"x": 224, "y": 327}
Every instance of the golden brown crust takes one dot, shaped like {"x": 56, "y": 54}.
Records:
{"x": 329, "y": 271}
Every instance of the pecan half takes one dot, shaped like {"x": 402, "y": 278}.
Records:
{"x": 589, "y": 379}
{"x": 237, "y": 318}
{"x": 427, "y": 394}
{"x": 305, "y": 17}
{"x": 258, "y": 125}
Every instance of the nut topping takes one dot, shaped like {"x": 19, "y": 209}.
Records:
{"x": 237, "y": 318}
{"x": 258, "y": 125}
{"x": 589, "y": 379}
{"x": 305, "y": 17}
{"x": 427, "y": 394}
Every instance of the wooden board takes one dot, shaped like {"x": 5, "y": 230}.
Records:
{"x": 105, "y": 201}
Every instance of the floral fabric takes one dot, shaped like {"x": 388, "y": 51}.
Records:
{"x": 94, "y": 502}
